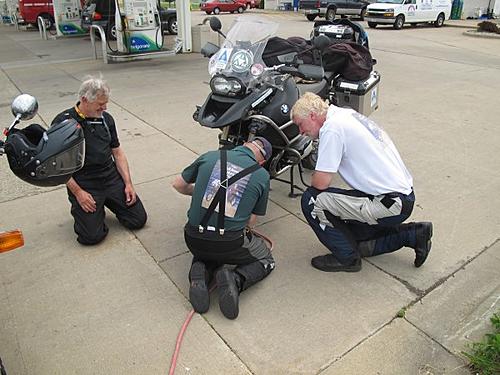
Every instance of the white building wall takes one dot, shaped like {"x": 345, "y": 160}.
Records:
{"x": 472, "y": 8}
{"x": 496, "y": 8}
{"x": 271, "y": 4}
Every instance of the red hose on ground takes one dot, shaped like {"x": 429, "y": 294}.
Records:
{"x": 180, "y": 336}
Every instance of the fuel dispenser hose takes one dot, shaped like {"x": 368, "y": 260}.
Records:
{"x": 180, "y": 336}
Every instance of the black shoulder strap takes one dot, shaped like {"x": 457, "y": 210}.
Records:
{"x": 220, "y": 195}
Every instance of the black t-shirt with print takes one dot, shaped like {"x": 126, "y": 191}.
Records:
{"x": 100, "y": 137}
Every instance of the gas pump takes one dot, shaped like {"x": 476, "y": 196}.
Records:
{"x": 138, "y": 26}
{"x": 68, "y": 17}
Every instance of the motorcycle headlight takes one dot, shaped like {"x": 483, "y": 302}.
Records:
{"x": 224, "y": 86}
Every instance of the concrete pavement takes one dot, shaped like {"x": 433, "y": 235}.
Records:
{"x": 116, "y": 308}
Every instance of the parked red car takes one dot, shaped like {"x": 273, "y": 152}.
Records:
{"x": 251, "y": 3}
{"x": 217, "y": 6}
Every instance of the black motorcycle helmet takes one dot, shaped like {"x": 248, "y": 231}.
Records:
{"x": 46, "y": 157}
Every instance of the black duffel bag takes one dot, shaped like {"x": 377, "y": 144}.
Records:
{"x": 351, "y": 60}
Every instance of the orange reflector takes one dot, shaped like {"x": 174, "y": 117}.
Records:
{"x": 11, "y": 240}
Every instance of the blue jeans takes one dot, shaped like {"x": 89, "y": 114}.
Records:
{"x": 352, "y": 224}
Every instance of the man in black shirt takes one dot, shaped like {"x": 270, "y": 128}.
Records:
{"x": 104, "y": 181}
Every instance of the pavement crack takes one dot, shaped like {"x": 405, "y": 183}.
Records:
{"x": 32, "y": 194}
{"x": 227, "y": 345}
{"x": 420, "y": 293}
{"x": 359, "y": 343}
{"x": 172, "y": 257}
{"x": 433, "y": 339}
{"x": 442, "y": 280}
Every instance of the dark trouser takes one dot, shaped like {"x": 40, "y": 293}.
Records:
{"x": 248, "y": 252}
{"x": 351, "y": 223}
{"x": 90, "y": 227}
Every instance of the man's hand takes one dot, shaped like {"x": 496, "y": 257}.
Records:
{"x": 130, "y": 195}
{"x": 252, "y": 221}
{"x": 86, "y": 201}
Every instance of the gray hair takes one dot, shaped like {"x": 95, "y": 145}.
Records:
{"x": 308, "y": 103}
{"x": 92, "y": 87}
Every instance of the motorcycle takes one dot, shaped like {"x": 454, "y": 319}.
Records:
{"x": 249, "y": 98}
{"x": 24, "y": 107}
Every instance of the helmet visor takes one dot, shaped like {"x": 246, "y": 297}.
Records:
{"x": 65, "y": 163}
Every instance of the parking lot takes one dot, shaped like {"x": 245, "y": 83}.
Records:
{"x": 117, "y": 308}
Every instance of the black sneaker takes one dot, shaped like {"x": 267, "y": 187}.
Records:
{"x": 228, "y": 292}
{"x": 423, "y": 233}
{"x": 198, "y": 289}
{"x": 328, "y": 263}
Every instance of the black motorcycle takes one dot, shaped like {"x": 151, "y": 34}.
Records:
{"x": 249, "y": 98}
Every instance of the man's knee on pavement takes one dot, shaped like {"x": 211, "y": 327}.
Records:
{"x": 89, "y": 240}
{"x": 136, "y": 221}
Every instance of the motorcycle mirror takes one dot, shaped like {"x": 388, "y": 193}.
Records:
{"x": 215, "y": 24}
{"x": 24, "y": 107}
{"x": 321, "y": 42}
{"x": 209, "y": 49}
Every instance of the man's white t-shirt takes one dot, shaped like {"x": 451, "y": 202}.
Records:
{"x": 362, "y": 153}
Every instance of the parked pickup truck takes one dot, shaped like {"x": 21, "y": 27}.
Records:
{"x": 330, "y": 8}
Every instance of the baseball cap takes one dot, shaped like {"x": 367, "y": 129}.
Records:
{"x": 266, "y": 149}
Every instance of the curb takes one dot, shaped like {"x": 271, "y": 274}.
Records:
{"x": 481, "y": 34}
{"x": 461, "y": 26}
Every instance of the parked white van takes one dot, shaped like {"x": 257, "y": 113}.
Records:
{"x": 399, "y": 12}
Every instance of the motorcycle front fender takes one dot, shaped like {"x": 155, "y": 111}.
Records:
{"x": 220, "y": 111}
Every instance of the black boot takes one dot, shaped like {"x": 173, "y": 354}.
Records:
{"x": 228, "y": 285}
{"x": 328, "y": 263}
{"x": 423, "y": 243}
{"x": 198, "y": 288}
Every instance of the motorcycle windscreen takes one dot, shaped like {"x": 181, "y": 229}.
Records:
{"x": 243, "y": 47}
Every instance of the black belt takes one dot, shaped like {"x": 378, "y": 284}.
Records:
{"x": 210, "y": 234}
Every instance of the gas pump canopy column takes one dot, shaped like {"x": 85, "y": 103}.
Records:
{"x": 184, "y": 24}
